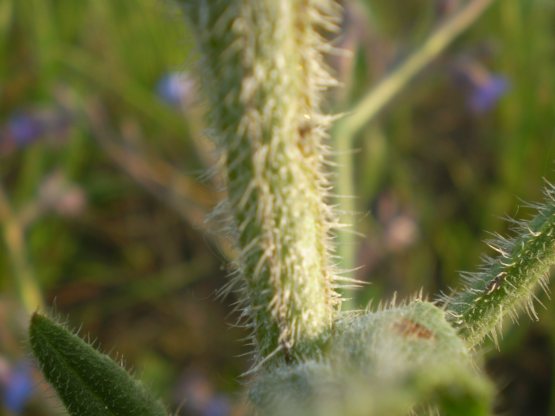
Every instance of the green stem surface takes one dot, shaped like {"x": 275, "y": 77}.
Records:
{"x": 263, "y": 74}
{"x": 508, "y": 282}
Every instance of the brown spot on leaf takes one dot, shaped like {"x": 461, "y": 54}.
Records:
{"x": 409, "y": 328}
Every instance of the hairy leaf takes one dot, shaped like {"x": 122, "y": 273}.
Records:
{"x": 387, "y": 362}
{"x": 88, "y": 382}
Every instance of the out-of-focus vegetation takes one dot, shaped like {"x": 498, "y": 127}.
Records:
{"x": 105, "y": 184}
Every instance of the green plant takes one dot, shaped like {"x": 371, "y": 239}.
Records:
{"x": 263, "y": 76}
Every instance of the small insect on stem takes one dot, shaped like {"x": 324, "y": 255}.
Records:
{"x": 305, "y": 128}
{"x": 495, "y": 283}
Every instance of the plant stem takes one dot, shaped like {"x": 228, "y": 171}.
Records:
{"x": 27, "y": 287}
{"x": 370, "y": 105}
{"x": 508, "y": 282}
{"x": 263, "y": 73}
{"x": 365, "y": 111}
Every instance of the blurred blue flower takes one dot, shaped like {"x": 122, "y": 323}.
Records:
{"x": 17, "y": 387}
{"x": 217, "y": 406}
{"x": 201, "y": 399}
{"x": 483, "y": 89}
{"x": 26, "y": 127}
{"x": 485, "y": 95}
{"x": 176, "y": 88}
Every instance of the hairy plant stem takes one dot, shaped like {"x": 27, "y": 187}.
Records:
{"x": 262, "y": 71}
{"x": 507, "y": 283}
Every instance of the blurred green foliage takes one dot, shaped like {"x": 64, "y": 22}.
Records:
{"x": 111, "y": 201}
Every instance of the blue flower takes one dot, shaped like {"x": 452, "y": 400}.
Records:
{"x": 176, "y": 88}
{"x": 24, "y": 129}
{"x": 217, "y": 406}
{"x": 18, "y": 387}
{"x": 482, "y": 88}
{"x": 487, "y": 92}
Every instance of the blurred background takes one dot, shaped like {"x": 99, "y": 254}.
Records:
{"x": 106, "y": 182}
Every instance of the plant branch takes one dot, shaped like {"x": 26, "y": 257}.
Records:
{"x": 507, "y": 283}
{"x": 382, "y": 94}
{"x": 14, "y": 237}
{"x": 366, "y": 110}
{"x": 263, "y": 74}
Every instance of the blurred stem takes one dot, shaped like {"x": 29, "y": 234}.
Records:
{"x": 345, "y": 131}
{"x": 187, "y": 198}
{"x": 370, "y": 105}
{"x": 346, "y": 203}
{"x": 13, "y": 232}
{"x": 549, "y": 322}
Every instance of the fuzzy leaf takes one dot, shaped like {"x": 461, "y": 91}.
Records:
{"x": 388, "y": 362}
{"x": 88, "y": 382}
